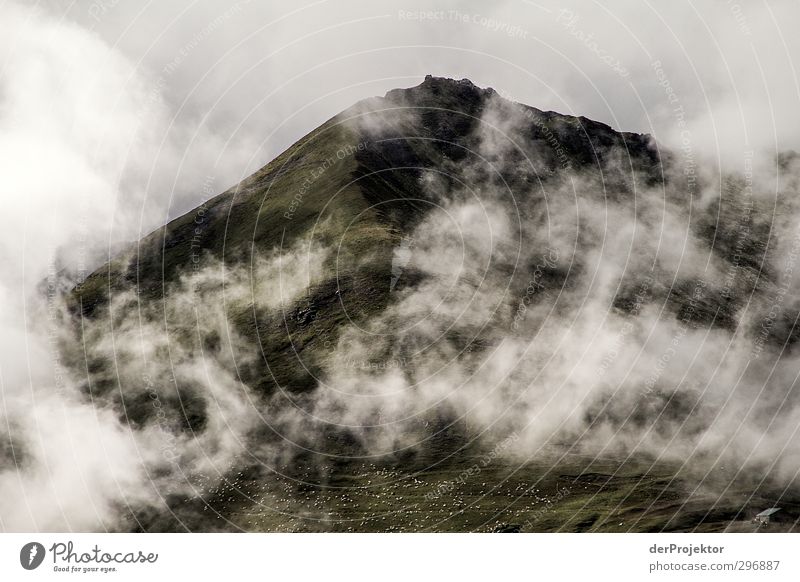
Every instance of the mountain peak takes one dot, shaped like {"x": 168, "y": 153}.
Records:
{"x": 443, "y": 90}
{"x": 431, "y": 80}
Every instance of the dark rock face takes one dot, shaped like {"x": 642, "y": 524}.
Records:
{"x": 438, "y": 132}
{"x": 361, "y": 173}
{"x": 359, "y": 187}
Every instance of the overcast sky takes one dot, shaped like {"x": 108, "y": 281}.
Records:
{"x": 179, "y": 92}
{"x": 116, "y": 115}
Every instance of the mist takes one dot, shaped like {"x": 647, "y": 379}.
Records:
{"x": 548, "y": 315}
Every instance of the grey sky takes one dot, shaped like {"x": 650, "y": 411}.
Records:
{"x": 117, "y": 115}
{"x": 240, "y": 82}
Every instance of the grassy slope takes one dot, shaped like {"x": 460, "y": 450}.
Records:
{"x": 554, "y": 493}
{"x": 367, "y": 203}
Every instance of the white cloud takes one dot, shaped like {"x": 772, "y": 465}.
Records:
{"x": 112, "y": 120}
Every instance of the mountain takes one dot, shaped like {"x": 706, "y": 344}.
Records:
{"x": 362, "y": 183}
{"x": 374, "y": 331}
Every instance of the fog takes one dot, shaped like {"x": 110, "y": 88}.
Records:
{"x": 116, "y": 118}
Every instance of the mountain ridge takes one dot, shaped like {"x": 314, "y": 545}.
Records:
{"x": 398, "y": 249}
{"x": 431, "y": 94}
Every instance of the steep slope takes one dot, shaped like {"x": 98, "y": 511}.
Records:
{"x": 355, "y": 183}
{"x": 435, "y": 278}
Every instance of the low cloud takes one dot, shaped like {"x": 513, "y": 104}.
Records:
{"x": 615, "y": 317}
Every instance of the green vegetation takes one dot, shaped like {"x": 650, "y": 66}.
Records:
{"x": 354, "y": 185}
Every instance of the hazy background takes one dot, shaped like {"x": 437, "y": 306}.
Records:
{"x": 116, "y": 116}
